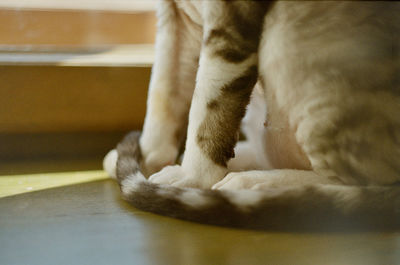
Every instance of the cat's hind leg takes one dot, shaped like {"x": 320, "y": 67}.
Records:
{"x": 278, "y": 178}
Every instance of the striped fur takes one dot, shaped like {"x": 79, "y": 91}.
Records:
{"x": 328, "y": 154}
{"x": 310, "y": 207}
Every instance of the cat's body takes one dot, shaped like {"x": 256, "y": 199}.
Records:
{"x": 329, "y": 75}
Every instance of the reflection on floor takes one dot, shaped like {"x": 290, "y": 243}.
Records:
{"x": 89, "y": 224}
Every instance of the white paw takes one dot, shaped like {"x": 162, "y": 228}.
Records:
{"x": 168, "y": 175}
{"x": 176, "y": 176}
{"x": 110, "y": 163}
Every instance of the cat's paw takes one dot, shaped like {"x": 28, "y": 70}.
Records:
{"x": 176, "y": 176}
{"x": 168, "y": 175}
{"x": 240, "y": 181}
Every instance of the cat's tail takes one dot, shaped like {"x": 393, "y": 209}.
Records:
{"x": 315, "y": 207}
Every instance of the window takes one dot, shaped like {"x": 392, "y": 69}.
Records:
{"x": 72, "y": 71}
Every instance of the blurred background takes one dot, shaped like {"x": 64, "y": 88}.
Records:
{"x": 73, "y": 80}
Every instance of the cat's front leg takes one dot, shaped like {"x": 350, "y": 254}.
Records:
{"x": 172, "y": 83}
{"x": 225, "y": 79}
{"x": 214, "y": 121}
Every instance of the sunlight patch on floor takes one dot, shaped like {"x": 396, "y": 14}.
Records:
{"x": 17, "y": 184}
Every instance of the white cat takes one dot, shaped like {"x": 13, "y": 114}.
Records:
{"x": 328, "y": 151}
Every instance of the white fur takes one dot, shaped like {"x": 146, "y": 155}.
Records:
{"x": 194, "y": 198}
{"x": 166, "y": 193}
{"x": 110, "y": 163}
{"x": 245, "y": 198}
{"x": 272, "y": 179}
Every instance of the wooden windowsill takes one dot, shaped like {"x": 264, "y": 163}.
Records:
{"x": 109, "y": 5}
{"x": 140, "y": 55}
{"x": 74, "y": 78}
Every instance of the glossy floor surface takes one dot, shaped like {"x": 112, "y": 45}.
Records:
{"x": 89, "y": 224}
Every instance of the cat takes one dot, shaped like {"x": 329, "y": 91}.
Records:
{"x": 322, "y": 129}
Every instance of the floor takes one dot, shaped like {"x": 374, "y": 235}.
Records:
{"x": 79, "y": 218}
